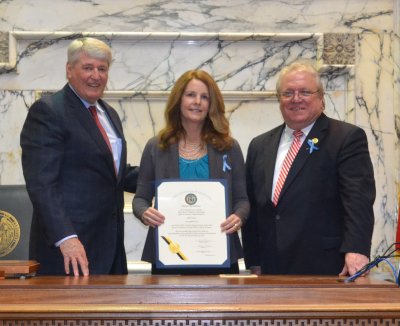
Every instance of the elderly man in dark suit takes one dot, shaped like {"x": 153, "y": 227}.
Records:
{"x": 311, "y": 213}
{"x": 74, "y": 164}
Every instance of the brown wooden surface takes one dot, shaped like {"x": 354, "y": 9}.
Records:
{"x": 17, "y": 267}
{"x": 198, "y": 300}
{"x": 133, "y": 293}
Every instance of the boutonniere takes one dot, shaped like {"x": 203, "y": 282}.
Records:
{"x": 225, "y": 165}
{"x": 312, "y": 143}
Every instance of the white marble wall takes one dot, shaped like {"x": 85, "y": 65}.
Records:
{"x": 241, "y": 43}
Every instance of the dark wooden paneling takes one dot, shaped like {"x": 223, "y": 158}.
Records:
{"x": 199, "y": 300}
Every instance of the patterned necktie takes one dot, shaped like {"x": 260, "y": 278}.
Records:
{"x": 291, "y": 154}
{"x": 93, "y": 112}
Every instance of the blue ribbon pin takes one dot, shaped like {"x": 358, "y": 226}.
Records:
{"x": 311, "y": 143}
{"x": 225, "y": 165}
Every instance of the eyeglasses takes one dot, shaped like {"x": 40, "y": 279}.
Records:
{"x": 302, "y": 94}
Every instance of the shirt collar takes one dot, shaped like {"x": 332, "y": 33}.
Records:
{"x": 289, "y": 131}
{"x": 86, "y": 103}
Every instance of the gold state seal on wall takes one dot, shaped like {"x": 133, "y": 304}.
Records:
{"x": 9, "y": 233}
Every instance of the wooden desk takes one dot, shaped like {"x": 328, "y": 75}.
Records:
{"x": 203, "y": 300}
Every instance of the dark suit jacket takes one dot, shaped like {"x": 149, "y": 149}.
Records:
{"x": 70, "y": 177}
{"x": 325, "y": 207}
{"x": 157, "y": 164}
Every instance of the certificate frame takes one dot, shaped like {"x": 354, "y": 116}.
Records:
{"x": 183, "y": 241}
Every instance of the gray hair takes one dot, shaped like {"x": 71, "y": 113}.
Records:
{"x": 300, "y": 65}
{"x": 90, "y": 46}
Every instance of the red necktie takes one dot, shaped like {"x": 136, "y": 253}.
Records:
{"x": 291, "y": 154}
{"x": 93, "y": 111}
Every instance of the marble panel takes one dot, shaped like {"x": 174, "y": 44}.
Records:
{"x": 153, "y": 61}
{"x": 377, "y": 95}
{"x": 339, "y": 16}
{"x": 13, "y": 109}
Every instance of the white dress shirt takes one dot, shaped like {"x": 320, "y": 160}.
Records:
{"x": 284, "y": 145}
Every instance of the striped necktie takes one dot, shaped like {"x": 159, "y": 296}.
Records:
{"x": 289, "y": 158}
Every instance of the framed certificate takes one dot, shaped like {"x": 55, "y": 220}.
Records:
{"x": 191, "y": 235}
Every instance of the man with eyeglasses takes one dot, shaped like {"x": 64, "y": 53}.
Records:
{"x": 311, "y": 201}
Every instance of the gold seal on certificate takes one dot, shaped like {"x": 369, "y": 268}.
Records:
{"x": 191, "y": 234}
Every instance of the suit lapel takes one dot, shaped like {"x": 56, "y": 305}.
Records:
{"x": 270, "y": 152}
{"x": 215, "y": 163}
{"x": 318, "y": 131}
{"x": 85, "y": 119}
{"x": 118, "y": 130}
{"x": 115, "y": 123}
{"x": 171, "y": 166}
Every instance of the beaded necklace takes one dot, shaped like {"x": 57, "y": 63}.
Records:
{"x": 191, "y": 151}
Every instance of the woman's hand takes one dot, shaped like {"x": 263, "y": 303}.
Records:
{"x": 152, "y": 217}
{"x": 232, "y": 224}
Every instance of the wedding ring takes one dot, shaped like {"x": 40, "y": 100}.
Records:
{"x": 235, "y": 225}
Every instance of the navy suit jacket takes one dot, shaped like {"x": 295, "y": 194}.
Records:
{"x": 70, "y": 177}
{"x": 325, "y": 207}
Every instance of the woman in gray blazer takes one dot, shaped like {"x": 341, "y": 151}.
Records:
{"x": 195, "y": 144}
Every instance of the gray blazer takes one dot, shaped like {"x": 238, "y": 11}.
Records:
{"x": 159, "y": 164}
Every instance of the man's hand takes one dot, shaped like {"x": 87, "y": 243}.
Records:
{"x": 353, "y": 262}
{"x": 74, "y": 253}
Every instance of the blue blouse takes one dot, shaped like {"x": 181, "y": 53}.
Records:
{"x": 194, "y": 169}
